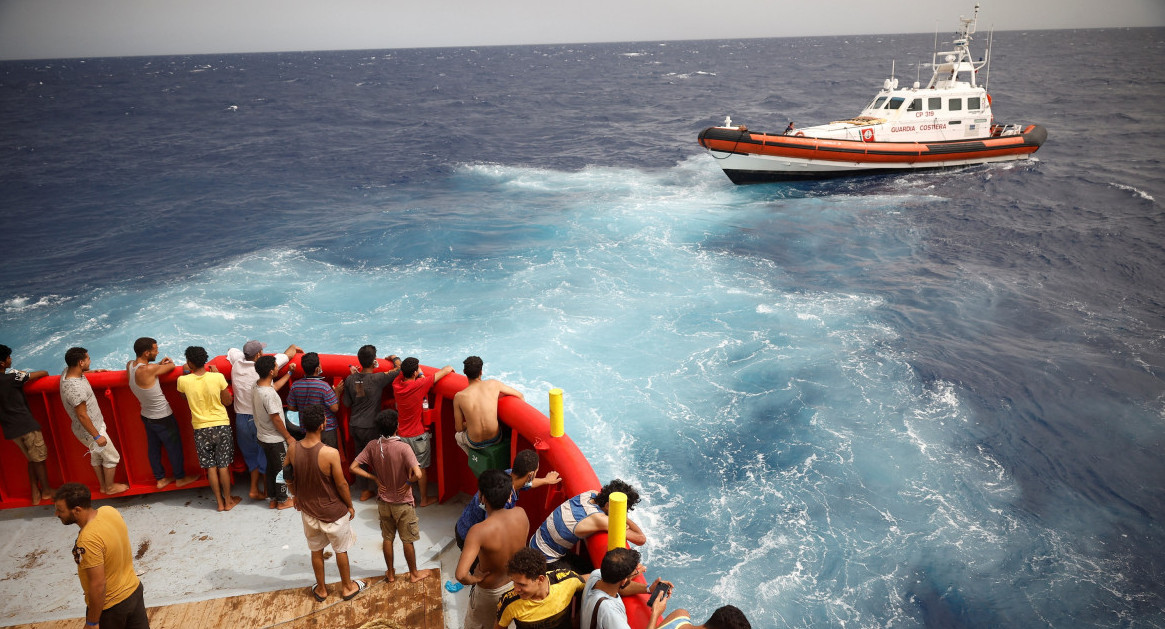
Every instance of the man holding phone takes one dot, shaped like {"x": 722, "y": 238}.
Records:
{"x": 602, "y": 607}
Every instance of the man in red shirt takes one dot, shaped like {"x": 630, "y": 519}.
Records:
{"x": 410, "y": 390}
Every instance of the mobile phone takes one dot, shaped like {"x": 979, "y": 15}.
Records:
{"x": 660, "y": 589}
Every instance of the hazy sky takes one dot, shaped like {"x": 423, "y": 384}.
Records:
{"x": 42, "y": 29}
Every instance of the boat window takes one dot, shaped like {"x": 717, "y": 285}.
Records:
{"x": 955, "y": 104}
{"x": 896, "y": 102}
{"x": 934, "y": 103}
{"x": 915, "y": 105}
{"x": 878, "y": 103}
{"x": 973, "y": 103}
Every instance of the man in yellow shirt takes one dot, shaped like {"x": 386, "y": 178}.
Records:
{"x": 540, "y": 599}
{"x": 208, "y": 396}
{"x": 114, "y": 597}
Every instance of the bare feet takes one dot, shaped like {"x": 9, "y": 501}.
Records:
{"x": 116, "y": 488}
{"x": 420, "y": 574}
{"x": 427, "y": 501}
{"x": 256, "y": 495}
{"x": 286, "y": 504}
{"x": 186, "y": 480}
{"x": 36, "y": 497}
{"x": 389, "y": 577}
{"x": 232, "y": 503}
{"x": 165, "y": 481}
{"x": 365, "y": 495}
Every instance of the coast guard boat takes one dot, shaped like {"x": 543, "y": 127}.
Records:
{"x": 947, "y": 123}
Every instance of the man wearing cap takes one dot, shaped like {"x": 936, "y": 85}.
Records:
{"x": 243, "y": 379}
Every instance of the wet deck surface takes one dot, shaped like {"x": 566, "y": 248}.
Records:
{"x": 383, "y": 604}
{"x": 241, "y": 568}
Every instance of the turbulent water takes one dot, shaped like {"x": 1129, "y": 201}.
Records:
{"x": 932, "y": 400}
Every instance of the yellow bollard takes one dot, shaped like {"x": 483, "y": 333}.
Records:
{"x": 617, "y": 520}
{"x": 557, "y": 424}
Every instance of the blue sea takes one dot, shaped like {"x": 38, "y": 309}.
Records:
{"x": 924, "y": 400}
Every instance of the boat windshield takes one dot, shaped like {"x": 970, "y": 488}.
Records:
{"x": 881, "y": 100}
{"x": 896, "y": 102}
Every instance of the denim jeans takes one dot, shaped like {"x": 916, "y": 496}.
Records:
{"x": 163, "y": 433}
{"x": 248, "y": 439}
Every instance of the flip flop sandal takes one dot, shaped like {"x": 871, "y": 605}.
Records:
{"x": 361, "y": 586}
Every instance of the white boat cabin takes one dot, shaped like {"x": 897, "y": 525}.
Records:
{"x": 952, "y": 106}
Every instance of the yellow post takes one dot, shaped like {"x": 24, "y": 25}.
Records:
{"x": 557, "y": 424}
{"x": 617, "y": 521}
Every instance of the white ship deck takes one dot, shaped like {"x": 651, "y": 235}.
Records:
{"x": 187, "y": 552}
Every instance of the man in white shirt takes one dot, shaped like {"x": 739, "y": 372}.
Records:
{"x": 243, "y": 379}
{"x": 602, "y": 606}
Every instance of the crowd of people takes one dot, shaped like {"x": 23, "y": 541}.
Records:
{"x": 530, "y": 579}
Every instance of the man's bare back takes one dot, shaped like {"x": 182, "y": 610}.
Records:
{"x": 497, "y": 538}
{"x": 477, "y": 406}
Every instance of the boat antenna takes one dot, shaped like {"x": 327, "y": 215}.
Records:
{"x": 987, "y": 53}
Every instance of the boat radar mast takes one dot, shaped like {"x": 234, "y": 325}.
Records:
{"x": 958, "y": 61}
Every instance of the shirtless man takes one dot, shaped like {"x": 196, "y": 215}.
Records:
{"x": 491, "y": 543}
{"x": 475, "y": 409}
{"x": 157, "y": 417}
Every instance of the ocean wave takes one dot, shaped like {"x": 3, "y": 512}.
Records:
{"x": 15, "y": 305}
{"x": 1137, "y": 191}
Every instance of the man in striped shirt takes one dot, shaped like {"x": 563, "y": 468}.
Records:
{"x": 579, "y": 518}
{"x": 311, "y": 390}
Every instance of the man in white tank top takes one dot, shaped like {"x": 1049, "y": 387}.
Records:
{"x": 157, "y": 417}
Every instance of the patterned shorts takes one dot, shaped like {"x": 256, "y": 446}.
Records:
{"x": 215, "y": 446}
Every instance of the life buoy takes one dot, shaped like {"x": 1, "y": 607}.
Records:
{"x": 988, "y": 100}
{"x": 800, "y": 134}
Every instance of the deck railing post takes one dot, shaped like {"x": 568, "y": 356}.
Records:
{"x": 617, "y": 520}
{"x": 557, "y": 424}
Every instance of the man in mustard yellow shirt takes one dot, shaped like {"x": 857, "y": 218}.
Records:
{"x": 114, "y": 597}
{"x": 208, "y": 396}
